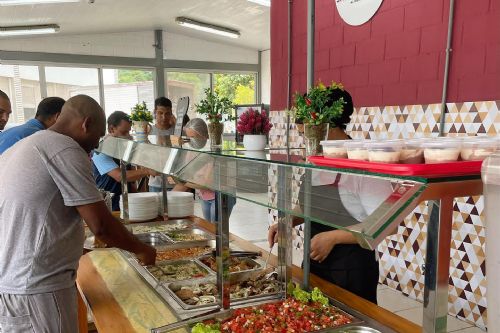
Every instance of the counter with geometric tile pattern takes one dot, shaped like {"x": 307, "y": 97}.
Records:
{"x": 402, "y": 254}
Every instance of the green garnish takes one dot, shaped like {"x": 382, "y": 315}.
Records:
{"x": 318, "y": 296}
{"x": 205, "y": 328}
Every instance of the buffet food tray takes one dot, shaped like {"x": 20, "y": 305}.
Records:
{"x": 355, "y": 325}
{"x": 155, "y": 239}
{"x": 184, "y": 245}
{"x": 174, "y": 236}
{"x": 353, "y": 329}
{"x": 161, "y": 226}
{"x": 89, "y": 244}
{"x": 256, "y": 266}
{"x": 174, "y": 286}
{"x": 199, "y": 265}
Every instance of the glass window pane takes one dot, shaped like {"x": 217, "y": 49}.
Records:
{"x": 66, "y": 82}
{"x": 238, "y": 88}
{"x": 125, "y": 87}
{"x": 180, "y": 84}
{"x": 22, "y": 85}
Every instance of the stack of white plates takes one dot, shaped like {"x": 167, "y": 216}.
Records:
{"x": 180, "y": 204}
{"x": 141, "y": 206}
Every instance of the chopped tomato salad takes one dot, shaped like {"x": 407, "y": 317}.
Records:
{"x": 285, "y": 317}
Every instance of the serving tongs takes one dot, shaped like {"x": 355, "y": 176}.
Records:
{"x": 242, "y": 254}
{"x": 217, "y": 314}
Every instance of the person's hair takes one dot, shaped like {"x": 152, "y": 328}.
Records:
{"x": 116, "y": 118}
{"x": 199, "y": 126}
{"x": 163, "y": 101}
{"x": 345, "y": 118}
{"x": 4, "y": 95}
{"x": 48, "y": 107}
{"x": 185, "y": 120}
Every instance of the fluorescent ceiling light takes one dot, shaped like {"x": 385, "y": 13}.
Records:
{"x": 266, "y": 3}
{"x": 207, "y": 27}
{"x": 29, "y": 30}
{"x": 31, "y": 2}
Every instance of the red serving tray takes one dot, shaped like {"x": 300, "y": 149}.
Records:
{"x": 460, "y": 168}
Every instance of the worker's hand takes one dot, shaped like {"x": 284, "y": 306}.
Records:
{"x": 147, "y": 256}
{"x": 322, "y": 244}
{"x": 272, "y": 234}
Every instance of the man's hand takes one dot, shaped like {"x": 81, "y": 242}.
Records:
{"x": 272, "y": 235}
{"x": 322, "y": 244}
{"x": 112, "y": 232}
{"x": 148, "y": 256}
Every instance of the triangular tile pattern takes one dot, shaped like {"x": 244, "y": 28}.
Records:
{"x": 402, "y": 254}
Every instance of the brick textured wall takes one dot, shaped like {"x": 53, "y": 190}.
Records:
{"x": 398, "y": 57}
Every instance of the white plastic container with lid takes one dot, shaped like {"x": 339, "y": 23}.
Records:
{"x": 384, "y": 151}
{"x": 477, "y": 148}
{"x": 356, "y": 149}
{"x": 334, "y": 148}
{"x": 412, "y": 152}
{"x": 442, "y": 150}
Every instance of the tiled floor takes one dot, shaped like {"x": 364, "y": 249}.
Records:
{"x": 250, "y": 221}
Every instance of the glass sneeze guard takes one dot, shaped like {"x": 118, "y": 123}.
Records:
{"x": 368, "y": 204}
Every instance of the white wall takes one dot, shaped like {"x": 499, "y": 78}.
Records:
{"x": 183, "y": 47}
{"x": 265, "y": 69}
{"x": 126, "y": 44}
{"x": 133, "y": 44}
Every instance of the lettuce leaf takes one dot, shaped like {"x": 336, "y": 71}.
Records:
{"x": 318, "y": 296}
{"x": 203, "y": 328}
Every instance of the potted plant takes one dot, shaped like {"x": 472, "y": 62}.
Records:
{"x": 217, "y": 110}
{"x": 141, "y": 118}
{"x": 255, "y": 127}
{"x": 316, "y": 110}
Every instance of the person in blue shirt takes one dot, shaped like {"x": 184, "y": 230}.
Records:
{"x": 106, "y": 169}
{"x": 5, "y": 110}
{"x": 47, "y": 113}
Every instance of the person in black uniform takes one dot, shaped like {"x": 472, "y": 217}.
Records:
{"x": 335, "y": 254}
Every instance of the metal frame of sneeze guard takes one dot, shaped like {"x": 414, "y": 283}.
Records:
{"x": 184, "y": 164}
{"x": 407, "y": 193}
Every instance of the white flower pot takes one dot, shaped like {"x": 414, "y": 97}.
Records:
{"x": 254, "y": 142}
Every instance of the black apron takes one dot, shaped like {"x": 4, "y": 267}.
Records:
{"x": 348, "y": 265}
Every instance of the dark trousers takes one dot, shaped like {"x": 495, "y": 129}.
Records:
{"x": 360, "y": 281}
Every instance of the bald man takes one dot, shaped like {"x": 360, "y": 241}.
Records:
{"x": 5, "y": 110}
{"x": 46, "y": 188}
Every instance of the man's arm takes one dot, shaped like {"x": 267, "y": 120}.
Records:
{"x": 132, "y": 175}
{"x": 111, "y": 231}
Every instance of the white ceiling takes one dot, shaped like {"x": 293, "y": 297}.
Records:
{"x": 252, "y": 20}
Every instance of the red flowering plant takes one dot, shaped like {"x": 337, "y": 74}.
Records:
{"x": 254, "y": 122}
{"x": 316, "y": 107}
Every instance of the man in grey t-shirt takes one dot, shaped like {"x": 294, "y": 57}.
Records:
{"x": 46, "y": 188}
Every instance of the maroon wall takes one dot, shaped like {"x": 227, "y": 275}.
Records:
{"x": 398, "y": 57}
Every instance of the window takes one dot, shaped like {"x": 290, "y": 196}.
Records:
{"x": 66, "y": 82}
{"x": 21, "y": 84}
{"x": 238, "y": 88}
{"x": 180, "y": 84}
{"x": 123, "y": 88}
